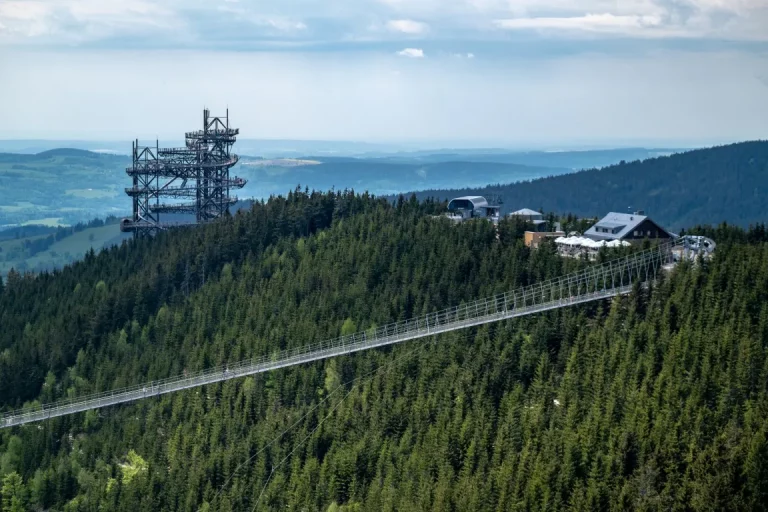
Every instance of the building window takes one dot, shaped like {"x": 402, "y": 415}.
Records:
{"x": 637, "y": 233}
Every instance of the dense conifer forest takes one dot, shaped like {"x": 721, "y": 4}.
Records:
{"x": 704, "y": 186}
{"x": 654, "y": 401}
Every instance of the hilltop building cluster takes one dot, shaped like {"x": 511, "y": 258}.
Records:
{"x": 612, "y": 231}
{"x": 541, "y": 228}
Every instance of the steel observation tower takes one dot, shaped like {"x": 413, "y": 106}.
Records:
{"x": 194, "y": 178}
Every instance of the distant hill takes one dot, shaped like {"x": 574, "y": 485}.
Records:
{"x": 393, "y": 173}
{"x": 705, "y": 186}
{"x": 553, "y": 159}
{"x": 381, "y": 177}
{"x": 54, "y": 156}
{"x": 61, "y": 187}
{"x": 81, "y": 153}
{"x": 67, "y": 185}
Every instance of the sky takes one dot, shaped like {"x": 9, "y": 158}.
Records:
{"x": 451, "y": 72}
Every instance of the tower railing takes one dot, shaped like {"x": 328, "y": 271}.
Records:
{"x": 595, "y": 282}
{"x": 185, "y": 191}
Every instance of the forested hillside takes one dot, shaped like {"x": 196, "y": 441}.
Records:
{"x": 705, "y": 186}
{"x": 38, "y": 248}
{"x": 658, "y": 400}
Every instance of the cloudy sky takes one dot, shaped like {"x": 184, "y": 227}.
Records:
{"x": 502, "y": 72}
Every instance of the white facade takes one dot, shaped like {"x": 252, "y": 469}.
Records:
{"x": 575, "y": 246}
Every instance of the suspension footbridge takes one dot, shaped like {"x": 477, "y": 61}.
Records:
{"x": 595, "y": 282}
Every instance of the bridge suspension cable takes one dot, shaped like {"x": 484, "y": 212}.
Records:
{"x": 596, "y": 282}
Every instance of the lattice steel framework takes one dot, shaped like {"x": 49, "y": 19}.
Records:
{"x": 593, "y": 283}
{"x": 199, "y": 171}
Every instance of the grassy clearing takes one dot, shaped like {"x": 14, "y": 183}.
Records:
{"x": 11, "y": 209}
{"x": 61, "y": 253}
{"x": 282, "y": 162}
{"x": 11, "y": 245}
{"x": 48, "y": 221}
{"x": 89, "y": 238}
{"x": 91, "y": 193}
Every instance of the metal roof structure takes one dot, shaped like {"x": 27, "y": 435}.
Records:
{"x": 474, "y": 201}
{"x": 527, "y": 212}
{"x": 612, "y": 225}
{"x": 619, "y": 225}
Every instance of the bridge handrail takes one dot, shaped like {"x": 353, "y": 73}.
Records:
{"x": 577, "y": 287}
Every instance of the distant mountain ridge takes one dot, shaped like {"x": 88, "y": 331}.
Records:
{"x": 704, "y": 186}
{"x": 574, "y": 160}
{"x": 448, "y": 168}
{"x": 60, "y": 153}
{"x": 383, "y": 177}
{"x": 68, "y": 185}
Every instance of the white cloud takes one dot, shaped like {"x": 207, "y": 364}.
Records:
{"x": 184, "y": 23}
{"x": 595, "y": 22}
{"x": 286, "y": 25}
{"x": 279, "y": 23}
{"x": 17, "y": 10}
{"x": 714, "y": 19}
{"x": 24, "y": 19}
{"x": 414, "y": 53}
{"x": 408, "y": 26}
{"x": 73, "y": 21}
{"x": 704, "y": 19}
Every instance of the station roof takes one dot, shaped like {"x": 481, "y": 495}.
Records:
{"x": 623, "y": 223}
{"x": 476, "y": 201}
{"x": 526, "y": 212}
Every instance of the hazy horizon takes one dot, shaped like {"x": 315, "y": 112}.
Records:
{"x": 253, "y": 147}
